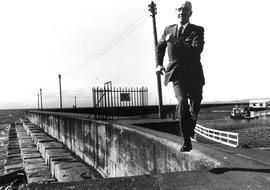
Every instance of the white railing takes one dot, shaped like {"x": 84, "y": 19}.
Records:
{"x": 224, "y": 137}
{"x": 263, "y": 113}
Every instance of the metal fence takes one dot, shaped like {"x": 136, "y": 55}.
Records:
{"x": 109, "y": 97}
{"x": 120, "y": 97}
{"x": 224, "y": 137}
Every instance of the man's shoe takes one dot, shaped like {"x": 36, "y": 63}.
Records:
{"x": 186, "y": 148}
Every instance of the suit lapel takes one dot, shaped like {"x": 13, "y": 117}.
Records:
{"x": 187, "y": 30}
{"x": 175, "y": 31}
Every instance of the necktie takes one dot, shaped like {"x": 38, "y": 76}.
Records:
{"x": 180, "y": 32}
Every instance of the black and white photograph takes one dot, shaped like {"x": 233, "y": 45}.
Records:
{"x": 125, "y": 95}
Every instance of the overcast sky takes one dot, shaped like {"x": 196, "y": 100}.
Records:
{"x": 91, "y": 42}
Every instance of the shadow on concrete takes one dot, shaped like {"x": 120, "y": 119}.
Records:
{"x": 13, "y": 179}
{"x": 223, "y": 170}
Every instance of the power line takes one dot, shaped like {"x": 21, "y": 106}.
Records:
{"x": 127, "y": 30}
{"x": 113, "y": 43}
{"x": 116, "y": 39}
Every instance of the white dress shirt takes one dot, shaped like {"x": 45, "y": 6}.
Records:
{"x": 184, "y": 27}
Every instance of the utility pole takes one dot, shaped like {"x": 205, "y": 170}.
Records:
{"x": 41, "y": 107}
{"x": 153, "y": 10}
{"x": 59, "y": 76}
{"x": 75, "y": 102}
{"x": 38, "y": 100}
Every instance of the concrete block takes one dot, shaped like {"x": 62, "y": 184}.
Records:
{"x": 31, "y": 155}
{"x": 10, "y": 170}
{"x": 22, "y": 135}
{"x": 28, "y": 153}
{"x": 11, "y": 156}
{"x": 39, "y": 134}
{"x": 70, "y": 171}
{"x": 36, "y": 134}
{"x": 12, "y": 163}
{"x": 41, "y": 179}
{"x": 43, "y": 146}
{"x": 33, "y": 161}
{"x": 40, "y": 173}
{"x": 36, "y": 137}
{"x": 42, "y": 139}
{"x": 12, "y": 167}
{"x": 29, "y": 149}
{"x": 29, "y": 146}
{"x": 57, "y": 160}
{"x": 20, "y": 130}
{"x": 13, "y": 151}
{"x": 55, "y": 153}
{"x": 35, "y": 168}
{"x": 25, "y": 141}
{"x": 32, "y": 129}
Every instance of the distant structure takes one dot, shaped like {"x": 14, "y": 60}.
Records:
{"x": 260, "y": 103}
{"x": 109, "y": 96}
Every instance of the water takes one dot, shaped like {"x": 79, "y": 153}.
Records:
{"x": 253, "y": 133}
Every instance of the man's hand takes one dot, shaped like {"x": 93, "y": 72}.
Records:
{"x": 160, "y": 69}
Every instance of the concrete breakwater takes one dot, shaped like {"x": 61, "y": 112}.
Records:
{"x": 211, "y": 168}
{"x": 133, "y": 157}
{"x": 117, "y": 150}
{"x": 50, "y": 155}
{"x": 32, "y": 156}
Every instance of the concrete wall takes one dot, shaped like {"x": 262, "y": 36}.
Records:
{"x": 119, "y": 150}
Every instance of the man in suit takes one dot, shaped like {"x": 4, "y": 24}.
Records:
{"x": 184, "y": 42}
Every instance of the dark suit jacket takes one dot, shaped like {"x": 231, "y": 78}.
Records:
{"x": 184, "y": 54}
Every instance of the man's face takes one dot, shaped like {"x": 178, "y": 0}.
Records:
{"x": 184, "y": 15}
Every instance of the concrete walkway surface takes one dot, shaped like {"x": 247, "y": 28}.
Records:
{"x": 262, "y": 156}
{"x": 220, "y": 178}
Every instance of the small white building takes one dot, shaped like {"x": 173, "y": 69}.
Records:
{"x": 259, "y": 103}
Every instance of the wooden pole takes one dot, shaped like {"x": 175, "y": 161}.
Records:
{"x": 60, "y": 90}
{"x": 38, "y": 101}
{"x": 41, "y": 106}
{"x": 153, "y": 10}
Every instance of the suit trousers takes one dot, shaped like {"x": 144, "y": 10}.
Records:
{"x": 189, "y": 99}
